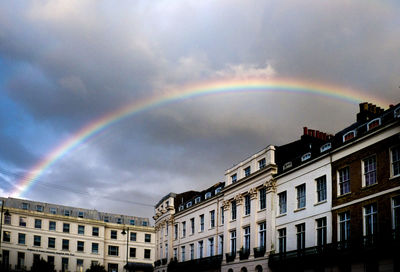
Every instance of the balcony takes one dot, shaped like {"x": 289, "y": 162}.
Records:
{"x": 157, "y": 263}
{"x": 244, "y": 253}
{"x": 259, "y": 252}
{"x": 230, "y": 257}
{"x": 203, "y": 264}
{"x": 164, "y": 261}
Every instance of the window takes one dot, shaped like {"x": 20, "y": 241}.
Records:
{"x": 66, "y": 227}
{"x": 369, "y": 171}
{"x": 396, "y": 214}
{"x": 119, "y": 220}
{"x": 201, "y": 222}
{"x": 344, "y": 181}
{"x": 344, "y": 226}
{"x": 233, "y": 210}
{"x": 325, "y": 147}
{"x": 192, "y": 225}
{"x": 197, "y": 200}
{"x": 51, "y": 242}
{"x": 184, "y": 229}
{"x": 191, "y": 251}
{"x": 210, "y": 251}
{"x": 25, "y": 206}
{"x": 246, "y": 239}
{"x": 212, "y": 219}
{"x": 287, "y": 166}
{"x": 80, "y": 245}
{"x": 81, "y": 214}
{"x": 247, "y": 171}
{"x": 95, "y": 248}
{"x": 183, "y": 257}
{"x": 6, "y": 236}
{"x": 370, "y": 219}
{"x": 282, "y": 202}
{"x": 233, "y": 241}
{"x": 21, "y": 260}
{"x": 200, "y": 249}
{"x": 218, "y": 190}
{"x": 321, "y": 231}
{"x": 81, "y": 229}
{"x": 147, "y": 238}
{"x": 106, "y": 219}
{"x": 261, "y": 163}
{"x": 38, "y": 223}
{"x": 53, "y": 210}
{"x": 95, "y": 231}
{"x": 50, "y": 260}
{"x": 222, "y": 215}
{"x": 282, "y": 240}
{"x": 113, "y": 234}
{"x": 147, "y": 253}
{"x": 395, "y": 161}
{"x": 263, "y": 198}
{"x": 65, "y": 244}
{"x": 262, "y": 239}
{"x": 132, "y": 222}
{"x": 79, "y": 264}
{"x": 21, "y": 238}
{"x": 306, "y": 156}
{"x": 113, "y": 250}
{"x": 397, "y": 113}
{"x": 52, "y": 225}
{"x": 166, "y": 251}
{"x": 349, "y": 135}
{"x": 247, "y": 205}
{"x": 7, "y": 219}
{"x": 67, "y": 212}
{"x": 39, "y": 208}
{"x": 234, "y": 178}
{"x": 22, "y": 221}
{"x": 301, "y": 196}
{"x": 176, "y": 231}
{"x": 64, "y": 264}
{"x": 321, "y": 188}
{"x": 133, "y": 236}
{"x": 220, "y": 244}
{"x": 301, "y": 236}
{"x": 37, "y": 240}
{"x": 132, "y": 252}
{"x": 189, "y": 204}
{"x": 145, "y": 223}
{"x": 374, "y": 123}
{"x": 180, "y": 208}
{"x": 208, "y": 195}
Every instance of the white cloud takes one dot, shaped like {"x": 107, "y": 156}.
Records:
{"x": 247, "y": 71}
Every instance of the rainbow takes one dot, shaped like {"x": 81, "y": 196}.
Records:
{"x": 177, "y": 94}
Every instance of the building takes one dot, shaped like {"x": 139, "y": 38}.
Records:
{"x": 73, "y": 238}
{"x": 322, "y": 203}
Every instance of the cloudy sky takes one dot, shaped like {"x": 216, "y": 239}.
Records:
{"x": 65, "y": 64}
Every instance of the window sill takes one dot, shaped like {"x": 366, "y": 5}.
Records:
{"x": 246, "y": 215}
{"x": 94, "y": 253}
{"x": 366, "y": 187}
{"x": 299, "y": 209}
{"x": 321, "y": 202}
{"x": 262, "y": 210}
{"x": 281, "y": 215}
{"x": 346, "y": 194}
{"x": 394, "y": 177}
{"x": 211, "y": 228}
{"x": 233, "y": 220}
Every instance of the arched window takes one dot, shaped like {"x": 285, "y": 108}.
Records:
{"x": 244, "y": 269}
{"x": 230, "y": 270}
{"x": 259, "y": 268}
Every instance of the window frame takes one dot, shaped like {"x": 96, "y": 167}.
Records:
{"x": 366, "y": 172}
{"x": 301, "y": 196}
{"x": 392, "y": 162}
{"x": 321, "y": 189}
{"x": 282, "y": 202}
{"x": 343, "y": 183}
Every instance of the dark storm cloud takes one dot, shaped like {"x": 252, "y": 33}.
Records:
{"x": 71, "y": 62}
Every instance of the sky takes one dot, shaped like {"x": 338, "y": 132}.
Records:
{"x": 66, "y": 64}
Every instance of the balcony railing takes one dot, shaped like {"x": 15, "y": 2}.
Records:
{"x": 157, "y": 263}
{"x": 164, "y": 261}
{"x": 244, "y": 253}
{"x": 230, "y": 257}
{"x": 259, "y": 252}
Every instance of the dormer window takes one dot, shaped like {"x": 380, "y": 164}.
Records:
{"x": 325, "y": 147}
{"x": 247, "y": 171}
{"x": 349, "y": 135}
{"x": 287, "y": 165}
{"x": 181, "y": 207}
{"x": 166, "y": 203}
{"x": 397, "y": 113}
{"x": 306, "y": 156}
{"x": 374, "y": 123}
{"x": 39, "y": 208}
{"x": 189, "y": 204}
{"x": 234, "y": 178}
{"x": 218, "y": 190}
{"x": 25, "y": 206}
{"x": 197, "y": 200}
{"x": 261, "y": 163}
{"x": 208, "y": 195}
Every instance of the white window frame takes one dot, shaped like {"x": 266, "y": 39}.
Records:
{"x": 262, "y": 234}
{"x": 281, "y": 202}
{"x": 247, "y": 204}
{"x": 189, "y": 204}
{"x": 396, "y": 112}
{"x": 262, "y": 163}
{"x": 247, "y": 171}
{"x": 392, "y": 175}
{"x": 207, "y": 195}
{"x": 197, "y": 200}
{"x": 306, "y": 156}
{"x": 325, "y": 147}
{"x": 372, "y": 121}
{"x": 363, "y": 164}
{"x": 396, "y": 207}
{"x": 318, "y": 190}
{"x": 348, "y": 133}
{"x": 321, "y": 226}
{"x": 373, "y": 213}
{"x": 301, "y": 196}
{"x": 287, "y": 165}
{"x": 234, "y": 178}
{"x": 246, "y": 238}
{"x": 233, "y": 244}
{"x": 339, "y": 182}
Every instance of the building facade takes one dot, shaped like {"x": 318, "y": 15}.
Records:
{"x": 73, "y": 238}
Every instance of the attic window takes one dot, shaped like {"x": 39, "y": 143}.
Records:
{"x": 197, "y": 200}
{"x": 208, "y": 195}
{"x": 189, "y": 204}
{"x": 397, "y": 113}
{"x": 218, "y": 190}
{"x": 180, "y": 208}
{"x": 325, "y": 147}
{"x": 287, "y": 165}
{"x": 306, "y": 156}
{"x": 349, "y": 135}
{"x": 374, "y": 123}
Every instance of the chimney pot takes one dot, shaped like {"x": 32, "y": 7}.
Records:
{"x": 304, "y": 130}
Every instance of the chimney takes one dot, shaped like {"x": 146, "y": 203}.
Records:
{"x": 304, "y": 130}
{"x": 368, "y": 111}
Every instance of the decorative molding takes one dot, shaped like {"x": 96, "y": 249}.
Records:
{"x": 253, "y": 193}
{"x": 270, "y": 186}
{"x": 239, "y": 199}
